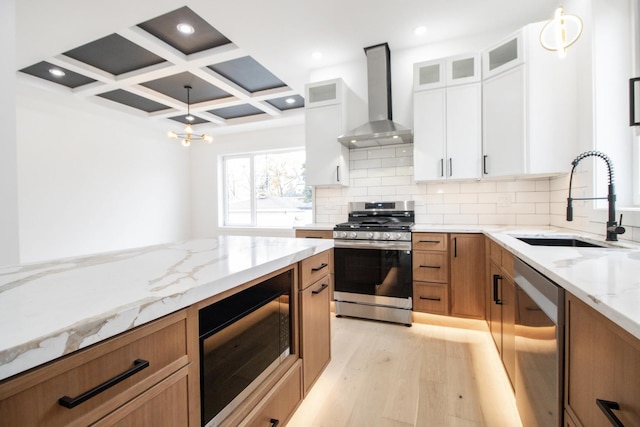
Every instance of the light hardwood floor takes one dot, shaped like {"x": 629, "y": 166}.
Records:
{"x": 384, "y": 374}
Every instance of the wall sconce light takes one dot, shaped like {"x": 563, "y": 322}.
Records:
{"x": 560, "y": 32}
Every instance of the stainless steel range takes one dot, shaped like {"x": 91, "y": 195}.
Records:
{"x": 373, "y": 274}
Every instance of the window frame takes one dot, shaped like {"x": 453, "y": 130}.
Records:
{"x": 253, "y": 190}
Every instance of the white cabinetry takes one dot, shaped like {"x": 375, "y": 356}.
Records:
{"x": 529, "y": 108}
{"x": 447, "y": 119}
{"x": 325, "y": 119}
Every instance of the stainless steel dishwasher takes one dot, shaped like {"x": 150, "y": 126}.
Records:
{"x": 539, "y": 335}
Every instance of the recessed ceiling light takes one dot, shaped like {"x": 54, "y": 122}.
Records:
{"x": 185, "y": 28}
{"x": 316, "y": 55}
{"x": 290, "y": 101}
{"x": 421, "y": 30}
{"x": 56, "y": 72}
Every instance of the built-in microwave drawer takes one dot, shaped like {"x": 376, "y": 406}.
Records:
{"x": 430, "y": 267}
{"x": 87, "y": 385}
{"x": 314, "y": 268}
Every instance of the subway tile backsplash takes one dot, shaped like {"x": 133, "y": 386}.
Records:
{"x": 386, "y": 173}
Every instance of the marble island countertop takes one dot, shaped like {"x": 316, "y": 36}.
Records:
{"x": 53, "y": 308}
{"x": 607, "y": 278}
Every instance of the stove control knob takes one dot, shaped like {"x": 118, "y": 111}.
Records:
{"x": 343, "y": 234}
{"x": 386, "y": 236}
{"x": 399, "y": 236}
{"x": 354, "y": 235}
{"x": 370, "y": 235}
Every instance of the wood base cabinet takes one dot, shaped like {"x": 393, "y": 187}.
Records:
{"x": 467, "y": 272}
{"x": 430, "y": 273}
{"x": 152, "y": 363}
{"x": 501, "y": 308}
{"x": 602, "y": 363}
{"x": 315, "y": 316}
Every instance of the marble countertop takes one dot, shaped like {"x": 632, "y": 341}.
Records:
{"x": 606, "y": 279}
{"x": 50, "y": 309}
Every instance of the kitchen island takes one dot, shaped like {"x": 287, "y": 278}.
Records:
{"x": 51, "y": 309}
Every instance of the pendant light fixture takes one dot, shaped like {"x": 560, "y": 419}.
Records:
{"x": 560, "y": 32}
{"x": 188, "y": 135}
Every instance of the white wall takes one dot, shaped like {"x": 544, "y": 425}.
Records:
{"x": 92, "y": 179}
{"x": 9, "y": 241}
{"x": 205, "y": 175}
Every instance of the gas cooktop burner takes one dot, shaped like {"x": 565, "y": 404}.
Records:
{"x": 377, "y": 221}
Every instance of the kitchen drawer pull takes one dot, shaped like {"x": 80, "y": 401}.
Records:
{"x": 429, "y": 266}
{"x": 323, "y": 265}
{"x": 71, "y": 402}
{"x": 428, "y": 241}
{"x": 607, "y": 407}
{"x": 431, "y": 298}
{"x": 322, "y": 288}
{"x": 496, "y": 277}
{"x": 274, "y": 422}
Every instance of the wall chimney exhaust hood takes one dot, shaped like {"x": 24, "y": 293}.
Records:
{"x": 380, "y": 129}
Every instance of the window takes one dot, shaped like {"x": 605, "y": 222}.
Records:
{"x": 266, "y": 190}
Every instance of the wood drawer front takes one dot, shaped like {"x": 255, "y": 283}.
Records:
{"x": 164, "y": 405}
{"x": 35, "y": 401}
{"x": 315, "y": 234}
{"x": 281, "y": 401}
{"x": 507, "y": 263}
{"x": 431, "y": 298}
{"x": 314, "y": 268}
{"x": 429, "y": 241}
{"x": 430, "y": 267}
{"x": 495, "y": 252}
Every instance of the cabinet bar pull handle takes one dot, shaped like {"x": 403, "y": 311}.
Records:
{"x": 450, "y": 167}
{"x": 322, "y": 288}
{"x": 607, "y": 407}
{"x": 428, "y": 241}
{"x": 484, "y": 164}
{"x": 313, "y": 237}
{"x": 71, "y": 402}
{"x": 338, "y": 173}
{"x": 274, "y": 422}
{"x": 496, "y": 277}
{"x": 430, "y": 298}
{"x": 455, "y": 247}
{"x": 323, "y": 265}
{"x": 429, "y": 266}
{"x": 441, "y": 167}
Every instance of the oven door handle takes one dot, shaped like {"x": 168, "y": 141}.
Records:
{"x": 369, "y": 244}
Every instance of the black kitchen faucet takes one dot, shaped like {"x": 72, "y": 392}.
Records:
{"x": 613, "y": 228}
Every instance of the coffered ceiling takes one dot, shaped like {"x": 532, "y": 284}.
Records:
{"x": 247, "y": 61}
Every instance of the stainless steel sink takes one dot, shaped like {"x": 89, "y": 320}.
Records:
{"x": 560, "y": 241}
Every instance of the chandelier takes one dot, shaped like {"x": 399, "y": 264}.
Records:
{"x": 560, "y": 32}
{"x": 188, "y": 134}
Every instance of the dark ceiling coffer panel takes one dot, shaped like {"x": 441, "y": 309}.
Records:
{"x": 380, "y": 129}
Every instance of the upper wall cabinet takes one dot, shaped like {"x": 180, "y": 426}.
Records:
{"x": 447, "y": 121}
{"x": 446, "y": 72}
{"x": 327, "y": 161}
{"x": 529, "y": 108}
